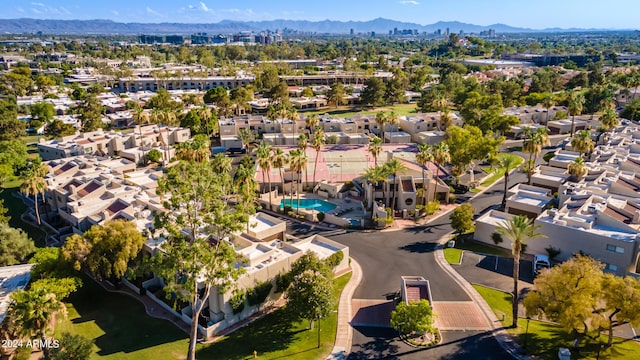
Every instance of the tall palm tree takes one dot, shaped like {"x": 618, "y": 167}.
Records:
{"x": 581, "y": 142}
{"x": 33, "y": 311}
{"x": 394, "y": 167}
{"x": 519, "y": 229}
{"x": 312, "y": 122}
{"x": 424, "y": 155}
{"x": 298, "y": 163}
{"x": 382, "y": 119}
{"x": 264, "y": 161}
{"x": 375, "y": 148}
{"x": 393, "y": 120}
{"x": 609, "y": 119}
{"x": 303, "y": 142}
{"x": 280, "y": 160}
{"x": 246, "y": 137}
{"x": 508, "y": 163}
{"x": 441, "y": 156}
{"x": 533, "y": 144}
{"x": 576, "y": 104}
{"x": 205, "y": 115}
{"x": 578, "y": 168}
{"x": 374, "y": 175}
{"x": 548, "y": 101}
{"x": 446, "y": 118}
{"x": 33, "y": 183}
{"x": 317, "y": 141}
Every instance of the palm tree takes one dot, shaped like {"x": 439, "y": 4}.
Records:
{"x": 424, "y": 156}
{"x": 446, "y": 118}
{"x": 519, "y": 229}
{"x": 375, "y": 148}
{"x": 576, "y": 103}
{"x": 609, "y": 119}
{"x": 33, "y": 183}
{"x": 246, "y": 137}
{"x": 508, "y": 163}
{"x": 303, "y": 142}
{"x": 382, "y": 119}
{"x": 533, "y": 144}
{"x": 441, "y": 156}
{"x": 298, "y": 163}
{"x": 548, "y": 101}
{"x": 205, "y": 115}
{"x": 394, "y": 167}
{"x": 393, "y": 120}
{"x": 578, "y": 168}
{"x": 582, "y": 142}
{"x": 280, "y": 160}
{"x": 312, "y": 122}
{"x": 317, "y": 141}
{"x": 33, "y": 311}
{"x": 374, "y": 175}
{"x": 264, "y": 161}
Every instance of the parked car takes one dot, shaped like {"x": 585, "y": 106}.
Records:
{"x": 540, "y": 262}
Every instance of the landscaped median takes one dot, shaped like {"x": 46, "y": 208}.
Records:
{"x": 543, "y": 339}
{"x": 498, "y": 173}
{"x": 121, "y": 330}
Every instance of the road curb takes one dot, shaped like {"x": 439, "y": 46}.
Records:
{"x": 344, "y": 333}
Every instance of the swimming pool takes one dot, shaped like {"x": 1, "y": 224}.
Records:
{"x": 310, "y": 204}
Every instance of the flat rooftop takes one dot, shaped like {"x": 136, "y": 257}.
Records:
{"x": 12, "y": 278}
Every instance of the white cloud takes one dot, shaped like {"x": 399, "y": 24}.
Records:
{"x": 153, "y": 12}
{"x": 36, "y": 11}
{"x": 115, "y": 12}
{"x": 19, "y": 9}
{"x": 409, "y": 2}
{"x": 38, "y": 4}
{"x": 190, "y": 6}
{"x": 204, "y": 7}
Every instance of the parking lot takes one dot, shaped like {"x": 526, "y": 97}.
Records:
{"x": 494, "y": 271}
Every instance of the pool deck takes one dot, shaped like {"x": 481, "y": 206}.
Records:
{"x": 356, "y": 211}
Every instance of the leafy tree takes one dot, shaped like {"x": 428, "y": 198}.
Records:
{"x": 4, "y": 218}
{"x": 441, "y": 155}
{"x": 279, "y": 94}
{"x": 192, "y": 121}
{"x": 191, "y": 269}
{"x": 395, "y": 90}
{"x": 162, "y": 101}
{"x": 462, "y": 218}
{"x": 10, "y": 127}
{"x": 375, "y": 148}
{"x": 198, "y": 149}
{"x": 154, "y": 155}
{"x": 105, "y": 250}
{"x": 310, "y": 296}
{"x": 13, "y": 158}
{"x": 486, "y": 113}
{"x": 240, "y": 96}
{"x": 631, "y": 110}
{"x": 246, "y": 137}
{"x": 61, "y": 287}
{"x": 49, "y": 263}
{"x": 395, "y": 168}
{"x": 622, "y": 298}
{"x": 467, "y": 145}
{"x": 417, "y": 317}
{"x": 57, "y": 128}
{"x": 519, "y": 229}
{"x": 532, "y": 144}
{"x": 374, "y": 92}
{"x": 575, "y": 104}
{"x": 90, "y": 111}
{"x": 73, "y": 347}
{"x": 336, "y": 94}
{"x": 219, "y": 96}
{"x": 15, "y": 245}
{"x": 42, "y": 111}
{"x": 16, "y": 83}
{"x": 310, "y": 261}
{"x": 609, "y": 119}
{"x": 307, "y": 92}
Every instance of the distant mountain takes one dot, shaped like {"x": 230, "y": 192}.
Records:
{"x": 379, "y": 25}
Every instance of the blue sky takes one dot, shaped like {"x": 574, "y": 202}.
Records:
{"x": 535, "y": 14}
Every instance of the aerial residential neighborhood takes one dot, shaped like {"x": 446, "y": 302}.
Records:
{"x": 188, "y": 181}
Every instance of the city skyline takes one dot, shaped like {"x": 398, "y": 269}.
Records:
{"x": 540, "y": 15}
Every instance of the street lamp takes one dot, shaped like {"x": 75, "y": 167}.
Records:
{"x": 526, "y": 333}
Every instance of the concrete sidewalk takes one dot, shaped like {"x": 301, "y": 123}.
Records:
{"x": 344, "y": 335}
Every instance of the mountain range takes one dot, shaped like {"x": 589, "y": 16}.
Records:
{"x": 379, "y": 25}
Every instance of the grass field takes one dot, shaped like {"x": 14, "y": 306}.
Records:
{"x": 15, "y": 209}
{"x": 453, "y": 255}
{"x": 543, "y": 339}
{"x": 479, "y": 247}
{"x": 348, "y": 111}
{"x": 499, "y": 172}
{"x": 121, "y": 331}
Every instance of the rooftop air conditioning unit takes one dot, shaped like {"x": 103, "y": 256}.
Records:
{"x": 592, "y": 208}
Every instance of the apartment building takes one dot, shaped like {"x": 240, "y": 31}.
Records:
{"x": 422, "y": 126}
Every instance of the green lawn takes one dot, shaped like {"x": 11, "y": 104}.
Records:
{"x": 122, "y": 330}
{"x": 453, "y": 255}
{"x": 543, "y": 339}
{"x": 279, "y": 336}
{"x": 31, "y": 138}
{"x": 475, "y": 246}
{"x": 348, "y": 111}
{"x": 15, "y": 209}
{"x": 499, "y": 172}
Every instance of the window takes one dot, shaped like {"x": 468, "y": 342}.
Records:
{"x": 611, "y": 267}
{"x": 615, "y": 249}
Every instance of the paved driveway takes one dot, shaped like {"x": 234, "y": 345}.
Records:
{"x": 493, "y": 271}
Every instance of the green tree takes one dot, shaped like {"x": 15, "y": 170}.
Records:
{"x": 578, "y": 168}
{"x": 154, "y": 155}
{"x": 532, "y": 144}
{"x": 263, "y": 153}
{"x": 519, "y": 229}
{"x": 575, "y": 103}
{"x": 423, "y": 157}
{"x": 42, "y": 111}
{"x": 441, "y": 156}
{"x": 375, "y": 148}
{"x": 105, "y": 250}
{"x": 32, "y": 310}
{"x": 374, "y": 175}
{"x": 13, "y": 158}
{"x": 279, "y": 94}
{"x": 49, "y": 263}
{"x": 240, "y": 96}
{"x": 609, "y": 119}
{"x": 15, "y": 245}
{"x": 219, "y": 96}
{"x": 462, "y": 218}
{"x": 90, "y": 111}
{"x": 280, "y": 160}
{"x": 416, "y": 317}
{"x": 622, "y": 299}
{"x": 508, "y": 163}
{"x": 581, "y": 142}
{"x": 374, "y": 92}
{"x": 57, "y": 129}
{"x": 317, "y": 142}
{"x": 162, "y": 101}
{"x": 336, "y": 94}
{"x": 33, "y": 183}
{"x": 468, "y": 145}
{"x": 395, "y": 168}
{"x": 297, "y": 163}
{"x": 631, "y": 110}
{"x": 247, "y": 137}
{"x": 73, "y": 347}
{"x": 4, "y": 218}
{"x": 310, "y": 296}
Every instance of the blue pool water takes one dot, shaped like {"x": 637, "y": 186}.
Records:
{"x": 312, "y": 204}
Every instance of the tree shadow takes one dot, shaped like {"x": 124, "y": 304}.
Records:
{"x": 421, "y": 247}
{"x": 381, "y": 345}
{"x": 126, "y": 326}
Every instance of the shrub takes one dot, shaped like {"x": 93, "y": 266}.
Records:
{"x": 496, "y": 237}
{"x": 154, "y": 155}
{"x": 287, "y": 209}
{"x": 452, "y": 198}
{"x": 283, "y": 281}
{"x": 237, "y": 301}
{"x": 335, "y": 259}
{"x": 259, "y": 293}
{"x": 432, "y": 207}
{"x": 320, "y": 216}
{"x": 548, "y": 156}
